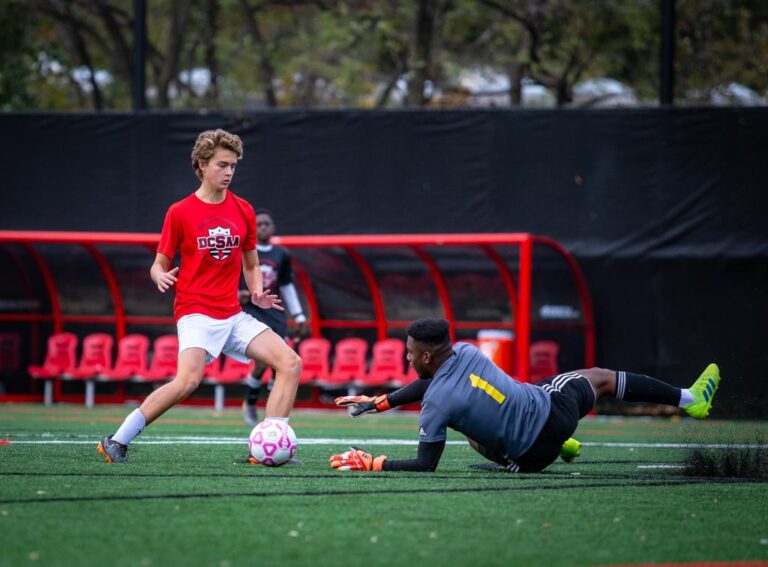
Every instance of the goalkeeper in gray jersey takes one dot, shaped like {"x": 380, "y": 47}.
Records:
{"x": 517, "y": 425}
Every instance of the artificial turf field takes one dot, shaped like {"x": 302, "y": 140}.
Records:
{"x": 189, "y": 497}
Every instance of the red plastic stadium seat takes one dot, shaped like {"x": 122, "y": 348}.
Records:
{"x": 95, "y": 359}
{"x": 94, "y": 362}
{"x": 132, "y": 358}
{"x": 165, "y": 359}
{"x": 10, "y": 351}
{"x": 235, "y": 371}
{"x": 230, "y": 372}
{"x": 387, "y": 364}
{"x": 314, "y": 353}
{"x": 348, "y": 364}
{"x": 543, "y": 360}
{"x": 59, "y": 358}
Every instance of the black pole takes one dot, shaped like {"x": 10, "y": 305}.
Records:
{"x": 667, "y": 83}
{"x": 139, "y": 54}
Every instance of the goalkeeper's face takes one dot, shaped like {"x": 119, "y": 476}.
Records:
{"x": 419, "y": 358}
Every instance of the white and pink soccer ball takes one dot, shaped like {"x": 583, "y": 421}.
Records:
{"x": 272, "y": 443}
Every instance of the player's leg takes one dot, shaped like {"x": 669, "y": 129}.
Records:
{"x": 201, "y": 339}
{"x": 569, "y": 451}
{"x": 270, "y": 349}
{"x": 490, "y": 455}
{"x": 631, "y": 387}
{"x": 254, "y": 381}
{"x": 572, "y": 397}
{"x": 251, "y": 339}
{"x": 253, "y": 392}
{"x": 189, "y": 374}
{"x": 188, "y": 378}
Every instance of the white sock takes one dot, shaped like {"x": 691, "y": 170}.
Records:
{"x": 686, "y": 398}
{"x": 131, "y": 427}
{"x": 253, "y": 382}
{"x": 283, "y": 419}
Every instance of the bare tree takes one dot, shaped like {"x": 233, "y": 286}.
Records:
{"x": 429, "y": 15}
{"x": 266, "y": 68}
{"x": 79, "y": 46}
{"x": 212, "y": 31}
{"x": 563, "y": 39}
{"x": 169, "y": 69}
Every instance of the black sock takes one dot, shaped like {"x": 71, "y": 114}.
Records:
{"x": 641, "y": 388}
{"x": 252, "y": 397}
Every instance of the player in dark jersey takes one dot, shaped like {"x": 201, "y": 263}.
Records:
{"x": 517, "y": 425}
{"x": 277, "y": 278}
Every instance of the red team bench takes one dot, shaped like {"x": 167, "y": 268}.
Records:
{"x": 348, "y": 367}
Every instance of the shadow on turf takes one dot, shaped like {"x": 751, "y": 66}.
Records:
{"x": 749, "y": 463}
{"x": 701, "y": 467}
{"x": 376, "y": 491}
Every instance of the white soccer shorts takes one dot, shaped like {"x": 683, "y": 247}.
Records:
{"x": 230, "y": 336}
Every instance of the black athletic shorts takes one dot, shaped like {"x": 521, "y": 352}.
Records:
{"x": 272, "y": 318}
{"x": 572, "y": 398}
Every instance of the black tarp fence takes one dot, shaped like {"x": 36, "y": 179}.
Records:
{"x": 665, "y": 209}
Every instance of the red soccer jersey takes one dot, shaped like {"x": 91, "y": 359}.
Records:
{"x": 211, "y": 239}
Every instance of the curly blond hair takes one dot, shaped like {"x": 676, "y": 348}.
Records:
{"x": 208, "y": 142}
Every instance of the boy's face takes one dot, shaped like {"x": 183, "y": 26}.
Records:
{"x": 220, "y": 169}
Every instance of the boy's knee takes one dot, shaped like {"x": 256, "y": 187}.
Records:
{"x": 296, "y": 363}
{"x": 188, "y": 383}
{"x": 290, "y": 362}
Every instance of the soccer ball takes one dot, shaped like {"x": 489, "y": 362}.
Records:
{"x": 272, "y": 443}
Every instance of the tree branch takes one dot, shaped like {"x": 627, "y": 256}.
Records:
{"x": 265, "y": 65}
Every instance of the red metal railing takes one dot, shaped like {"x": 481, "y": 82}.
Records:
{"x": 519, "y": 296}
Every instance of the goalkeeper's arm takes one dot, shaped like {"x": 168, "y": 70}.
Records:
{"x": 358, "y": 460}
{"x": 408, "y": 394}
{"x": 426, "y": 459}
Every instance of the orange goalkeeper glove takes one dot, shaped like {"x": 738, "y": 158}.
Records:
{"x": 357, "y": 460}
{"x": 363, "y": 404}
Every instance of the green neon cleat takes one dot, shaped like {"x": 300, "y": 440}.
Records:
{"x": 703, "y": 391}
{"x": 570, "y": 450}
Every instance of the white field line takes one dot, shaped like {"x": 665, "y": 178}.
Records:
{"x": 50, "y": 438}
{"x": 226, "y": 441}
{"x": 680, "y": 445}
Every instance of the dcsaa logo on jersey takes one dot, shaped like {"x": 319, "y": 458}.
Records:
{"x": 219, "y": 242}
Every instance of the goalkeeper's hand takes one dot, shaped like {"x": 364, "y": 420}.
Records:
{"x": 363, "y": 404}
{"x": 357, "y": 460}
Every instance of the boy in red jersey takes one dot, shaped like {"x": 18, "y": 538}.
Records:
{"x": 215, "y": 234}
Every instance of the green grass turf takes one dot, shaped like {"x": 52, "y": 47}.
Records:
{"x": 202, "y": 504}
